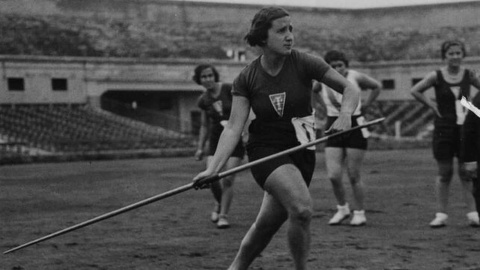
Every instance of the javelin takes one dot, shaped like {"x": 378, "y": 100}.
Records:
{"x": 203, "y": 182}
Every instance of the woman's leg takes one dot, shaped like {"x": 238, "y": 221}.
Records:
{"x": 227, "y": 186}
{"x": 227, "y": 193}
{"x": 445, "y": 172}
{"x": 288, "y": 197}
{"x": 216, "y": 189}
{"x": 334, "y": 158}
{"x": 467, "y": 187}
{"x": 286, "y": 184}
{"x": 270, "y": 218}
{"x": 354, "y": 166}
{"x": 468, "y": 196}
{"x": 442, "y": 185}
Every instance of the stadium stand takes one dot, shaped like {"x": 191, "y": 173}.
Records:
{"x": 66, "y": 128}
{"x": 75, "y": 36}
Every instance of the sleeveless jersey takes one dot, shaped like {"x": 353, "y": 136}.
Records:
{"x": 333, "y": 99}
{"x": 448, "y": 96}
{"x": 278, "y": 100}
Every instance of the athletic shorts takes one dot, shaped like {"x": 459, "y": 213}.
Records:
{"x": 304, "y": 160}
{"x": 446, "y": 142}
{"x": 354, "y": 139}
{"x": 238, "y": 152}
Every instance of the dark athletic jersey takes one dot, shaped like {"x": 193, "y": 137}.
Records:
{"x": 275, "y": 100}
{"x": 471, "y": 139}
{"x": 445, "y": 98}
{"x": 217, "y": 109}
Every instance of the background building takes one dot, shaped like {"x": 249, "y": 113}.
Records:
{"x": 135, "y": 59}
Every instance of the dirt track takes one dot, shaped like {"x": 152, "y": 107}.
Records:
{"x": 175, "y": 233}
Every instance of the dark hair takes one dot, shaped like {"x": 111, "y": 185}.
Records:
{"x": 202, "y": 67}
{"x": 449, "y": 43}
{"x": 333, "y": 55}
{"x": 262, "y": 21}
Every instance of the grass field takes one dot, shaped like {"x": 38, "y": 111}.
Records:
{"x": 175, "y": 233}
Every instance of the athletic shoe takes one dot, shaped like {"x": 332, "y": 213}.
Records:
{"x": 359, "y": 218}
{"x": 439, "y": 221}
{"x": 343, "y": 212}
{"x": 222, "y": 222}
{"x": 214, "y": 215}
{"x": 473, "y": 219}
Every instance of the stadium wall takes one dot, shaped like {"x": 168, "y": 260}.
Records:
{"x": 87, "y": 79}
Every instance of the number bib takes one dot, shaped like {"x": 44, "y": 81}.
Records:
{"x": 305, "y": 129}
{"x": 365, "y": 132}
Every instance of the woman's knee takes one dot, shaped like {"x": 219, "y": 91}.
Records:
{"x": 335, "y": 178}
{"x": 303, "y": 217}
{"x": 301, "y": 213}
{"x": 354, "y": 177}
{"x": 445, "y": 170}
{"x": 227, "y": 182}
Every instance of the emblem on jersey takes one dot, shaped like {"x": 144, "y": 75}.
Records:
{"x": 455, "y": 90}
{"x": 278, "y": 102}
{"x": 218, "y": 106}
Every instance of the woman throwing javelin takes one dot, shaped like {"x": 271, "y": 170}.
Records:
{"x": 451, "y": 83}
{"x": 216, "y": 104}
{"x": 277, "y": 86}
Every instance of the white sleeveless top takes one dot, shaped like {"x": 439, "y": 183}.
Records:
{"x": 333, "y": 99}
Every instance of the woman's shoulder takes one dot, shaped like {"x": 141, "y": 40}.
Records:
{"x": 248, "y": 71}
{"x": 354, "y": 73}
{"x": 434, "y": 75}
{"x": 298, "y": 55}
{"x": 251, "y": 66}
{"x": 312, "y": 66}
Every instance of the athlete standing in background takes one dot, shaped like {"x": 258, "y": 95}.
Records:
{"x": 346, "y": 151}
{"x": 216, "y": 104}
{"x": 451, "y": 83}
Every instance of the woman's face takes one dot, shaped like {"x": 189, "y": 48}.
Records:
{"x": 454, "y": 55}
{"x": 340, "y": 67}
{"x": 207, "y": 78}
{"x": 280, "y": 36}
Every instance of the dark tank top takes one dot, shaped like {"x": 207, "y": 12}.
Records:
{"x": 446, "y": 95}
